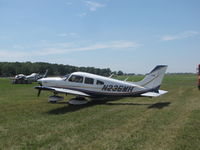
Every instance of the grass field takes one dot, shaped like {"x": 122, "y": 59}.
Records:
{"x": 170, "y": 122}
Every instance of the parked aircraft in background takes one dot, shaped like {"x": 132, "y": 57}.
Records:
{"x": 83, "y": 85}
{"x": 32, "y": 77}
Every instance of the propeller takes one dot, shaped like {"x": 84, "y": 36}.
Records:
{"x": 39, "y": 91}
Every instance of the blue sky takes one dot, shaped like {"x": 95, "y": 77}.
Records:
{"x": 127, "y": 35}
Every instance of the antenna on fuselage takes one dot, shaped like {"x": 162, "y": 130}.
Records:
{"x": 111, "y": 76}
{"x": 126, "y": 79}
{"x": 45, "y": 75}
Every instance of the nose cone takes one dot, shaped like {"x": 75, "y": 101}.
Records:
{"x": 39, "y": 80}
{"x": 51, "y": 81}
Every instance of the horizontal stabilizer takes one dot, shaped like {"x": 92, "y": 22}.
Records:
{"x": 154, "y": 94}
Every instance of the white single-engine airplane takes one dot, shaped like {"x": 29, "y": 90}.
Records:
{"x": 84, "y": 85}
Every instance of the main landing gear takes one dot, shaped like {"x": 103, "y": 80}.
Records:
{"x": 54, "y": 98}
{"x": 78, "y": 101}
{"x": 74, "y": 101}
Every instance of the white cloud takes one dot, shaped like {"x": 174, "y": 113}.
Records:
{"x": 46, "y": 49}
{"x": 185, "y": 34}
{"x": 93, "y": 6}
{"x": 18, "y": 46}
{"x": 7, "y": 54}
{"x": 68, "y": 3}
{"x": 82, "y": 14}
{"x": 72, "y": 34}
{"x": 61, "y": 49}
{"x": 62, "y": 34}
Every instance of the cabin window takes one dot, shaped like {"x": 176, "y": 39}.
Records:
{"x": 89, "y": 80}
{"x": 75, "y": 78}
{"x": 99, "y": 82}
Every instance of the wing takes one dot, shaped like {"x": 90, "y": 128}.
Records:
{"x": 154, "y": 94}
{"x": 62, "y": 90}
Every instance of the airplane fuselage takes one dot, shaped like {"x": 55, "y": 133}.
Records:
{"x": 84, "y": 84}
{"x": 94, "y": 85}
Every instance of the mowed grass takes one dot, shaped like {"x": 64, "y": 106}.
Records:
{"x": 170, "y": 122}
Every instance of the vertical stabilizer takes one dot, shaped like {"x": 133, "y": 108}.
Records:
{"x": 154, "y": 79}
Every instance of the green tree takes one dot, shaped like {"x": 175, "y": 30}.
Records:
{"x": 120, "y": 73}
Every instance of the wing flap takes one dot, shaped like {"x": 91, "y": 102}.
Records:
{"x": 154, "y": 94}
{"x": 62, "y": 90}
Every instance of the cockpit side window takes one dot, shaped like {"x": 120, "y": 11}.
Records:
{"x": 75, "y": 78}
{"x": 89, "y": 80}
{"x": 99, "y": 82}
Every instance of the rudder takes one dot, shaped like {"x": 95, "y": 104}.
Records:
{"x": 154, "y": 79}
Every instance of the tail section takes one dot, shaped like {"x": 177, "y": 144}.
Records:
{"x": 154, "y": 79}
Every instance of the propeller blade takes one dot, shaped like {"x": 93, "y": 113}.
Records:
{"x": 39, "y": 91}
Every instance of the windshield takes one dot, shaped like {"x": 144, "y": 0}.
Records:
{"x": 66, "y": 76}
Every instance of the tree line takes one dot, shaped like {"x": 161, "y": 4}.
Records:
{"x": 8, "y": 69}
